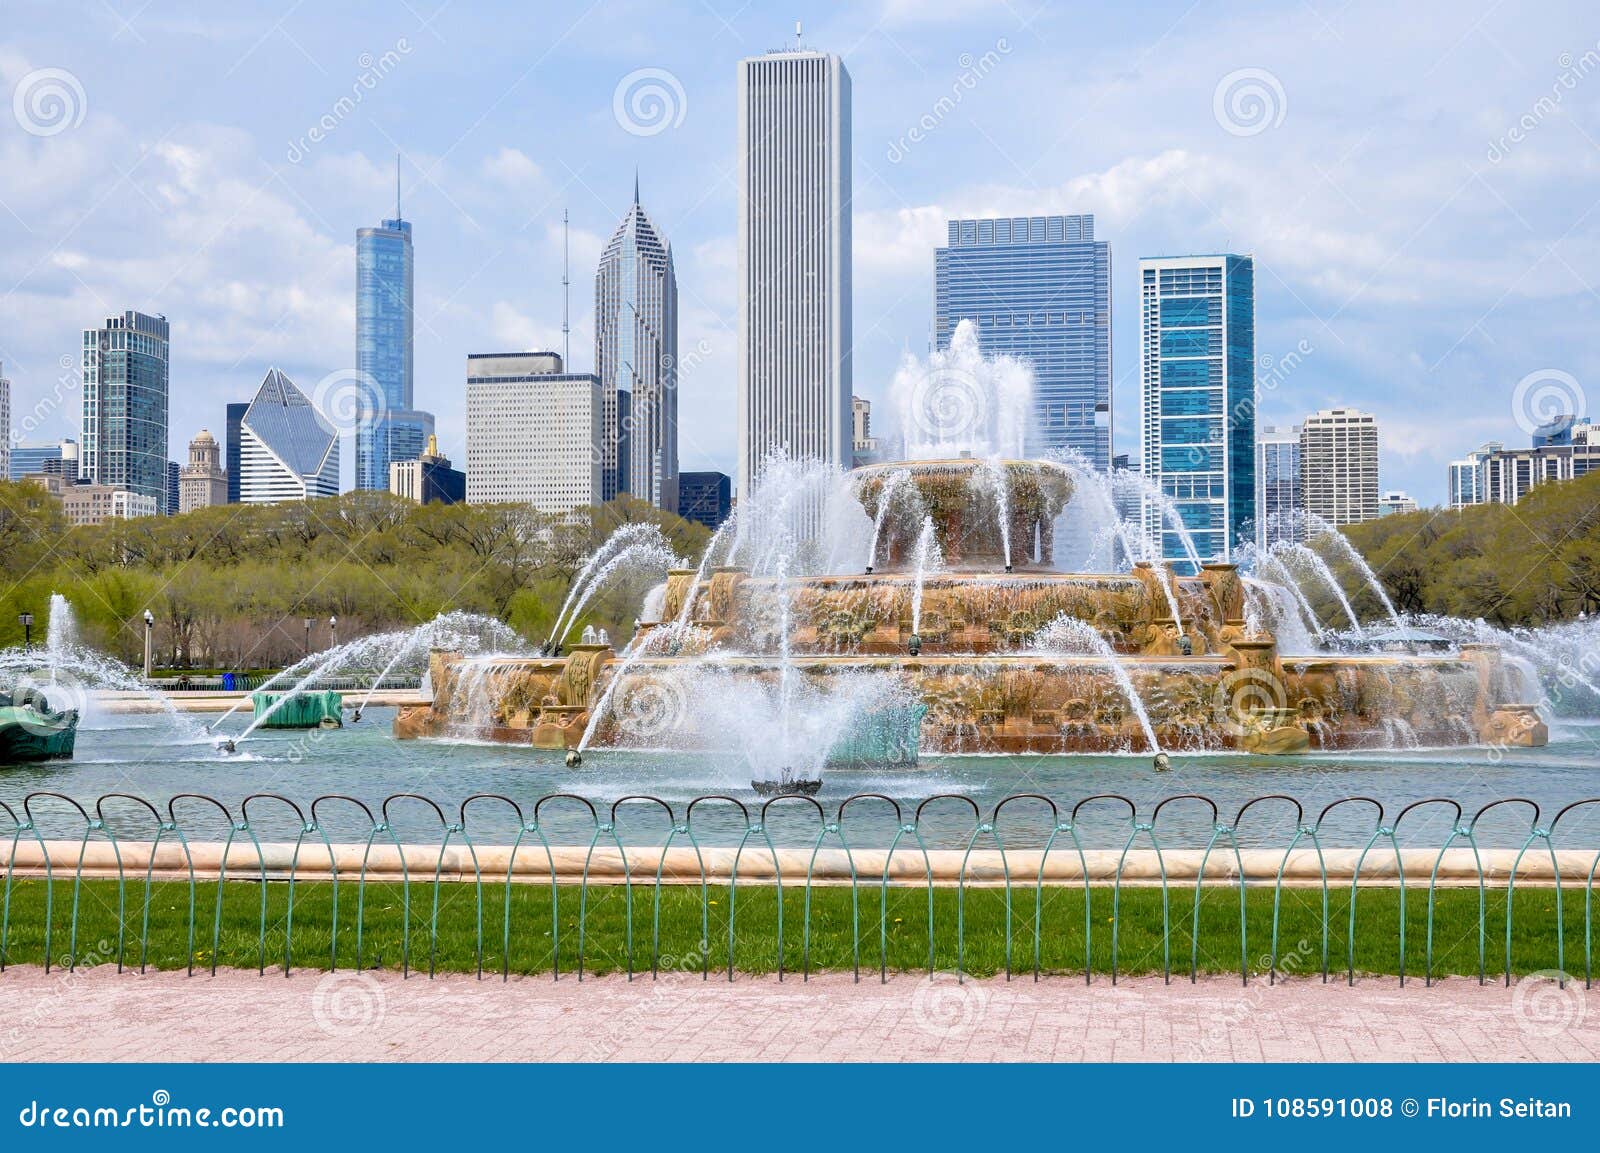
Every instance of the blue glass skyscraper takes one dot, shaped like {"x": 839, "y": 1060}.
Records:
{"x": 1197, "y": 434}
{"x": 1039, "y": 288}
{"x": 125, "y": 405}
{"x": 389, "y": 428}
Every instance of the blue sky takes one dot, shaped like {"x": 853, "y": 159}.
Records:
{"x": 1418, "y": 187}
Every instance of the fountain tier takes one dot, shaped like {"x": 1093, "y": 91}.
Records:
{"x": 1023, "y": 661}
{"x": 985, "y": 514}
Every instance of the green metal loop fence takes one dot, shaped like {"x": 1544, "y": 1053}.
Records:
{"x": 753, "y": 858}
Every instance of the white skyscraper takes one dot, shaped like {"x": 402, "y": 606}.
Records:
{"x": 287, "y": 449}
{"x": 534, "y": 433}
{"x": 1339, "y": 465}
{"x": 794, "y": 259}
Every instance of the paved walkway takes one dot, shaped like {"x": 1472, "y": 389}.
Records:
{"x": 99, "y": 1015}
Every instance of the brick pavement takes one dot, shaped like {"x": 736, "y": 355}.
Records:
{"x": 100, "y": 1015}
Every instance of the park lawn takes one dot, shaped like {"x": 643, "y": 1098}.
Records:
{"x": 981, "y": 949}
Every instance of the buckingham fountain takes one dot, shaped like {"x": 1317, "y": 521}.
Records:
{"x": 967, "y": 600}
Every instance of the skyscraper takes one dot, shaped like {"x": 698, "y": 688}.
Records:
{"x": 388, "y": 428}
{"x": 124, "y": 441}
{"x": 1278, "y": 482}
{"x": 1339, "y": 465}
{"x": 534, "y": 432}
{"x": 288, "y": 450}
{"x": 1197, "y": 354}
{"x": 1038, "y": 288}
{"x": 169, "y": 506}
{"x": 235, "y": 418}
{"x": 794, "y": 259}
{"x": 636, "y": 353}
{"x": 5, "y": 424}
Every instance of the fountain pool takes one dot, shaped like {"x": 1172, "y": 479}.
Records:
{"x": 148, "y": 756}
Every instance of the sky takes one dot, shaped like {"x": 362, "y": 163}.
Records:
{"x": 1417, "y": 184}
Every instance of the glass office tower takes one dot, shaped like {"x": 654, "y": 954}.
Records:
{"x": 1198, "y": 392}
{"x": 1039, "y": 288}
{"x": 389, "y": 428}
{"x": 125, "y": 405}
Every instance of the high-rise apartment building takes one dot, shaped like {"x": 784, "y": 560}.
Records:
{"x": 1038, "y": 288}
{"x": 1198, "y": 399}
{"x": 535, "y": 434}
{"x": 203, "y": 481}
{"x": 636, "y": 352}
{"x": 1495, "y": 474}
{"x": 794, "y": 259}
{"x": 1278, "y": 480}
{"x": 1339, "y": 465}
{"x": 389, "y": 428}
{"x": 124, "y": 443}
{"x": 287, "y": 449}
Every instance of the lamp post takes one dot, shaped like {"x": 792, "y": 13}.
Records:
{"x": 308, "y": 623}
{"x": 333, "y": 632}
{"x": 149, "y": 632}
{"x": 26, "y": 621}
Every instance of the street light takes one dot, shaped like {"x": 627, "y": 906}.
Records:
{"x": 333, "y": 632}
{"x": 149, "y": 631}
{"x": 308, "y": 623}
{"x": 26, "y": 621}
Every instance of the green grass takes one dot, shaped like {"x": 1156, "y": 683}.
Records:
{"x": 240, "y": 945}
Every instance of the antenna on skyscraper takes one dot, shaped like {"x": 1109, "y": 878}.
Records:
{"x": 566, "y": 329}
{"x": 797, "y": 35}
{"x": 397, "y": 215}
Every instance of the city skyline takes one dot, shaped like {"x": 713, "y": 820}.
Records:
{"x": 1398, "y": 305}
